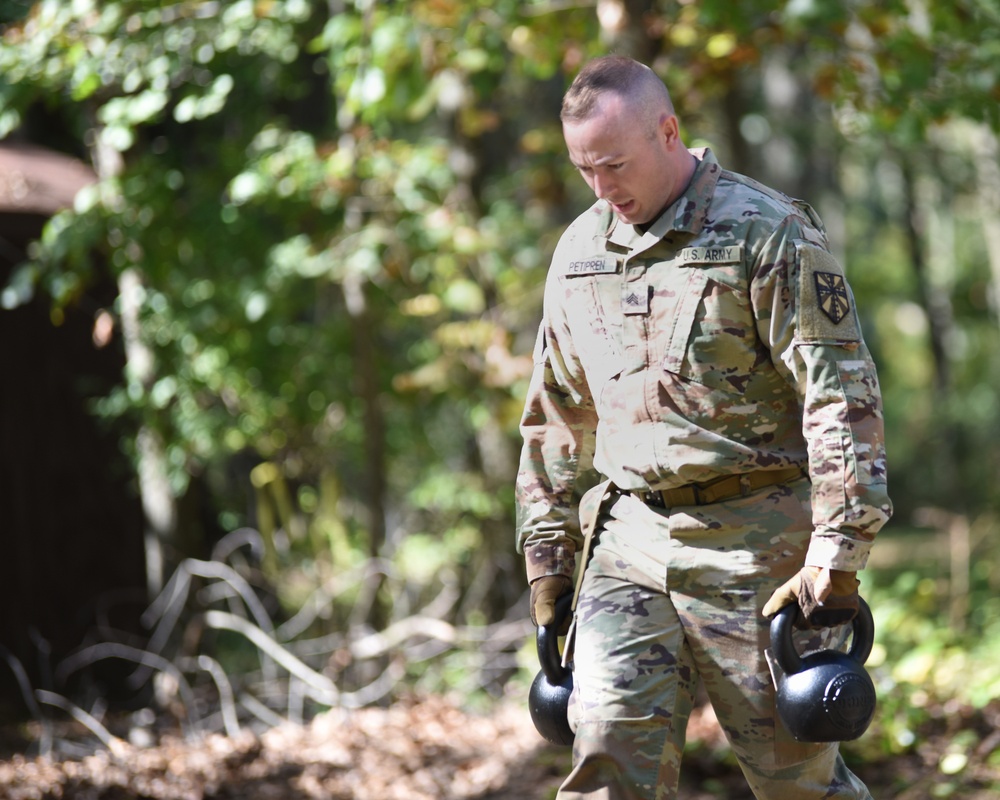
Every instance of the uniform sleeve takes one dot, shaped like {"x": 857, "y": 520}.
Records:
{"x": 807, "y": 318}
{"x": 558, "y": 427}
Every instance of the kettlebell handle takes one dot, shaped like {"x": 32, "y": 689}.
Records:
{"x": 783, "y": 647}
{"x": 547, "y": 642}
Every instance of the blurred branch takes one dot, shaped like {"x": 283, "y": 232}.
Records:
{"x": 555, "y": 6}
{"x": 234, "y": 540}
{"x": 24, "y": 684}
{"x": 222, "y": 683}
{"x": 377, "y": 644}
{"x": 318, "y": 601}
{"x": 118, "y": 747}
{"x": 323, "y": 689}
{"x": 261, "y": 711}
{"x": 98, "y": 652}
{"x": 171, "y": 601}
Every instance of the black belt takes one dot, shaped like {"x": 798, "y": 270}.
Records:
{"x": 718, "y": 489}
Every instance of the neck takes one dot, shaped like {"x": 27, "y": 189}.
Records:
{"x": 689, "y": 165}
{"x": 685, "y": 176}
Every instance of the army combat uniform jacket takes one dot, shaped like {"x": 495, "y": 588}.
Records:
{"x": 722, "y": 341}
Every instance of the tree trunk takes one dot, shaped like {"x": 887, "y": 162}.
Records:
{"x": 366, "y": 373}
{"x": 158, "y": 503}
{"x": 943, "y": 437}
{"x": 987, "y": 152}
{"x": 936, "y": 304}
{"x": 623, "y": 28}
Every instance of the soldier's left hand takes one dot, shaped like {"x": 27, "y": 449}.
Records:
{"x": 826, "y": 597}
{"x": 544, "y": 593}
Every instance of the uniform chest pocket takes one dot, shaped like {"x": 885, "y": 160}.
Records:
{"x": 593, "y": 310}
{"x": 713, "y": 338}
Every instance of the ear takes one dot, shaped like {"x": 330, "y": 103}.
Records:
{"x": 670, "y": 133}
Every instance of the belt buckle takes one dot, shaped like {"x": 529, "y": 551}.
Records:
{"x": 653, "y": 498}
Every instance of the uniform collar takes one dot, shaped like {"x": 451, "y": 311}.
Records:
{"x": 686, "y": 214}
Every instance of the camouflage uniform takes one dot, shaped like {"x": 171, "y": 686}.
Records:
{"x": 721, "y": 342}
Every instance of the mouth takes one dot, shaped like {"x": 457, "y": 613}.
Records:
{"x": 623, "y": 208}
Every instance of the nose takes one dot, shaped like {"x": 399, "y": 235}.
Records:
{"x": 602, "y": 185}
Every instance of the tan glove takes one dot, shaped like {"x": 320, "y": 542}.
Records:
{"x": 827, "y": 597}
{"x": 544, "y": 593}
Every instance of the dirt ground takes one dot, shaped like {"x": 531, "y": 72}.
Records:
{"x": 432, "y": 750}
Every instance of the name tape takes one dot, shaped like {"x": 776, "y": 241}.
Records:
{"x": 597, "y": 265}
{"x": 731, "y": 254}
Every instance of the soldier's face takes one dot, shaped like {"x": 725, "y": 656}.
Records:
{"x": 637, "y": 170}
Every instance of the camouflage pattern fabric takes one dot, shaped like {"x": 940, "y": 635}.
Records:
{"x": 721, "y": 341}
{"x": 671, "y": 595}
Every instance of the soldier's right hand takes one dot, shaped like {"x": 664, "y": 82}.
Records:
{"x": 544, "y": 593}
{"x": 827, "y": 597}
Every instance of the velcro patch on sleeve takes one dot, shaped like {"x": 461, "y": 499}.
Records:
{"x": 826, "y": 305}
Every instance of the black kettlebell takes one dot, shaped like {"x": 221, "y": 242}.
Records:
{"x": 548, "y": 699}
{"x": 826, "y": 696}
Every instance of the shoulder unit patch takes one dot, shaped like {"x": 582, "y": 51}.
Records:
{"x": 831, "y": 294}
{"x": 826, "y": 313}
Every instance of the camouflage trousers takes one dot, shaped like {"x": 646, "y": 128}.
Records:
{"x": 674, "y": 595}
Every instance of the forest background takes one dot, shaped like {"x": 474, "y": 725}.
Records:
{"x": 328, "y": 226}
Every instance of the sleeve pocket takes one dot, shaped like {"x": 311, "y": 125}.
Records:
{"x": 828, "y": 470}
{"x": 866, "y": 448}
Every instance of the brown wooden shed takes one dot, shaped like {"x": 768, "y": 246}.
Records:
{"x": 70, "y": 519}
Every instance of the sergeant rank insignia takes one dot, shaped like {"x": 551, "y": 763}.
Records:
{"x": 635, "y": 298}
{"x": 831, "y": 294}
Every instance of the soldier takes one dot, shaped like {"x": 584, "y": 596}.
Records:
{"x": 700, "y": 367}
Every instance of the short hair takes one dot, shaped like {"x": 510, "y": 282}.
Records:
{"x": 625, "y": 77}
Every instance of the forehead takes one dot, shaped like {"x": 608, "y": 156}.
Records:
{"x": 607, "y": 112}
{"x": 612, "y": 131}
